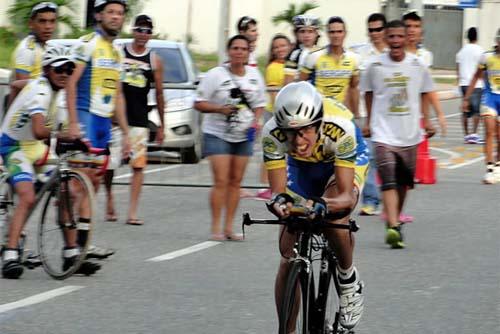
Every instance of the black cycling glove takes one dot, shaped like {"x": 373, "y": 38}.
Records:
{"x": 319, "y": 208}
{"x": 281, "y": 198}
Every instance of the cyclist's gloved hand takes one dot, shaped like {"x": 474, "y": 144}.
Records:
{"x": 280, "y": 204}
{"x": 319, "y": 208}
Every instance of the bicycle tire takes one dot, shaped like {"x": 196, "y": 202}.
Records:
{"x": 50, "y": 255}
{"x": 7, "y": 204}
{"x": 298, "y": 279}
{"x": 330, "y": 299}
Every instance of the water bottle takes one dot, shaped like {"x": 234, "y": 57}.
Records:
{"x": 251, "y": 133}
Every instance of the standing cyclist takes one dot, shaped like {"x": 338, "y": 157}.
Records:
{"x": 29, "y": 120}
{"x": 94, "y": 91}
{"x": 313, "y": 153}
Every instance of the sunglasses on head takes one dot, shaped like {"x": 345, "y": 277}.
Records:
{"x": 42, "y": 6}
{"x": 143, "y": 30}
{"x": 378, "y": 29}
{"x": 68, "y": 69}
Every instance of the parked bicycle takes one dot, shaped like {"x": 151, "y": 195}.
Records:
{"x": 63, "y": 195}
{"x": 310, "y": 303}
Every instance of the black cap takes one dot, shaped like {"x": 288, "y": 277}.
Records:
{"x": 143, "y": 20}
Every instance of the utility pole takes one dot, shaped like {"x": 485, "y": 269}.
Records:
{"x": 189, "y": 37}
{"x": 417, "y": 5}
{"x": 225, "y": 6}
{"x": 392, "y": 10}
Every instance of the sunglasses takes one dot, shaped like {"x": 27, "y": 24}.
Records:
{"x": 64, "y": 69}
{"x": 301, "y": 132}
{"x": 143, "y": 30}
{"x": 43, "y": 5}
{"x": 378, "y": 29}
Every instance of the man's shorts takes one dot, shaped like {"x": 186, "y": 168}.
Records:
{"x": 491, "y": 105}
{"x": 95, "y": 128}
{"x": 139, "y": 146}
{"x": 19, "y": 159}
{"x": 213, "y": 145}
{"x": 474, "y": 101}
{"x": 395, "y": 165}
{"x": 311, "y": 179}
{"x": 115, "y": 149}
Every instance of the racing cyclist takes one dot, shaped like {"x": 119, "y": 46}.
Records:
{"x": 315, "y": 155}
{"x": 30, "y": 119}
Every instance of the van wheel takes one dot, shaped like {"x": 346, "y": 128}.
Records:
{"x": 192, "y": 155}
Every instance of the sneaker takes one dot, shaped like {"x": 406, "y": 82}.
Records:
{"x": 489, "y": 178}
{"x": 87, "y": 268}
{"x": 474, "y": 139}
{"x": 394, "y": 237}
{"x": 369, "y": 210}
{"x": 12, "y": 269}
{"x": 100, "y": 253}
{"x": 467, "y": 139}
{"x": 351, "y": 302}
{"x": 264, "y": 194}
{"x": 496, "y": 173}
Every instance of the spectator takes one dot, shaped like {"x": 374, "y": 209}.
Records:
{"x": 305, "y": 29}
{"x": 333, "y": 70}
{"x": 467, "y": 60}
{"x": 233, "y": 98}
{"x": 376, "y": 28}
{"x": 142, "y": 67}
{"x": 247, "y": 26}
{"x": 395, "y": 85}
{"x": 489, "y": 66}
{"x": 275, "y": 76}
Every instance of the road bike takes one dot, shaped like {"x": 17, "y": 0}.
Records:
{"x": 64, "y": 196}
{"x": 311, "y": 301}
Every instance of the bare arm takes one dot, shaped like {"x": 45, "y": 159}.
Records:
{"x": 341, "y": 197}
{"x": 288, "y": 78}
{"x": 352, "y": 97}
{"x": 303, "y": 76}
{"x": 436, "y": 105}
{"x": 160, "y": 100}
{"x": 472, "y": 85}
{"x": 368, "y": 104}
{"x": 211, "y": 108}
{"x": 277, "y": 180}
{"x": 40, "y": 131}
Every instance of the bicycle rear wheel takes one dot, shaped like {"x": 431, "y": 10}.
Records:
{"x": 6, "y": 208}
{"x": 58, "y": 223}
{"x": 294, "y": 312}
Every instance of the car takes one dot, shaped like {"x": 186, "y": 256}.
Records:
{"x": 183, "y": 137}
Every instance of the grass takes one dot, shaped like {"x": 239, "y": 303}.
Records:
{"x": 5, "y": 55}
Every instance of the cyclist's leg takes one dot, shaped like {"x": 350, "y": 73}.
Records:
{"x": 489, "y": 114}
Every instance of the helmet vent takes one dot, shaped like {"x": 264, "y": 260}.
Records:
{"x": 286, "y": 111}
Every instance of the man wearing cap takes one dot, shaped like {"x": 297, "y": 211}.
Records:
{"x": 142, "y": 67}
{"x": 27, "y": 57}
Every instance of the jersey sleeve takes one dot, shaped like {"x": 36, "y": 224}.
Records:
{"x": 340, "y": 137}
{"x": 23, "y": 60}
{"x": 259, "y": 99}
{"x": 365, "y": 83}
{"x": 273, "y": 146}
{"x": 292, "y": 63}
{"x": 82, "y": 50}
{"x": 427, "y": 82}
{"x": 40, "y": 102}
{"x": 207, "y": 86}
{"x": 309, "y": 63}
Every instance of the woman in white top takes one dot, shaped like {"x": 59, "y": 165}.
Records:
{"x": 232, "y": 96}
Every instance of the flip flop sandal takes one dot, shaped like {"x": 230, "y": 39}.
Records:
{"x": 135, "y": 222}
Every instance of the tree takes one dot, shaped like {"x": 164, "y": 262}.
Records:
{"x": 288, "y": 14}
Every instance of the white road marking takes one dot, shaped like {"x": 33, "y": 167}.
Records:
{"x": 39, "y": 298}
{"x": 149, "y": 171}
{"x": 184, "y": 251}
{"x": 453, "y": 155}
{"x": 467, "y": 163}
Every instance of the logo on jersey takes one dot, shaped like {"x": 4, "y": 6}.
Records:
{"x": 269, "y": 146}
{"x": 276, "y": 133}
{"x": 333, "y": 131}
{"x": 346, "y": 146}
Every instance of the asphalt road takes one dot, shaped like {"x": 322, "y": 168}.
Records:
{"x": 445, "y": 281}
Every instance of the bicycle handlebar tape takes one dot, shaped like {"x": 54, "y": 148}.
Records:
{"x": 425, "y": 172}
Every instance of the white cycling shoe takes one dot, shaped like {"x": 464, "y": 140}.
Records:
{"x": 351, "y": 302}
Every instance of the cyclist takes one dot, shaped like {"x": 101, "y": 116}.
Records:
{"x": 489, "y": 64}
{"x": 29, "y": 120}
{"x": 94, "y": 92}
{"x": 27, "y": 57}
{"x": 305, "y": 29}
{"x": 315, "y": 155}
{"x": 334, "y": 70}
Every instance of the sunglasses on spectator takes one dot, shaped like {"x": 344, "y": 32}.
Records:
{"x": 378, "y": 29}
{"x": 143, "y": 30}
{"x": 42, "y": 6}
{"x": 68, "y": 69}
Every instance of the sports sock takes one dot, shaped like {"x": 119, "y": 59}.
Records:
{"x": 346, "y": 275}
{"x": 83, "y": 231}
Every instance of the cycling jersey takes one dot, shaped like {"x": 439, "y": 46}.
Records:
{"x": 27, "y": 57}
{"x": 330, "y": 76}
{"x": 340, "y": 144}
{"x": 490, "y": 63}
{"x": 18, "y": 146}
{"x": 296, "y": 59}
{"x": 96, "y": 89}
{"x": 275, "y": 76}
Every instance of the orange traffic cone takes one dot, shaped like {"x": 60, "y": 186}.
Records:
{"x": 426, "y": 164}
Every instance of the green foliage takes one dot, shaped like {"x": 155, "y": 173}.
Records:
{"x": 19, "y": 14}
{"x": 287, "y": 15}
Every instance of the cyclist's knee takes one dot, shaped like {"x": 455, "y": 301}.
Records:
{"x": 26, "y": 196}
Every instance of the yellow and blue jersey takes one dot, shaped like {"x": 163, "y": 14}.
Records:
{"x": 97, "y": 88}
{"x": 27, "y": 57}
{"x": 490, "y": 63}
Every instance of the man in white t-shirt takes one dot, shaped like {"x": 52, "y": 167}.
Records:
{"x": 395, "y": 85}
{"x": 467, "y": 60}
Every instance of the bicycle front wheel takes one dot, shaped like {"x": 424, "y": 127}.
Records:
{"x": 70, "y": 197}
{"x": 329, "y": 301}
{"x": 294, "y": 312}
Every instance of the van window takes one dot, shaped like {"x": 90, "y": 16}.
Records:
{"x": 174, "y": 69}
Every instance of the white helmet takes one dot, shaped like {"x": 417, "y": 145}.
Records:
{"x": 300, "y": 21}
{"x": 100, "y": 4}
{"x": 298, "y": 104}
{"x": 57, "y": 55}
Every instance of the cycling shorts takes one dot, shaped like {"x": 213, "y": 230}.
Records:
{"x": 19, "y": 158}
{"x": 491, "y": 105}
{"x": 95, "y": 128}
{"x": 311, "y": 179}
